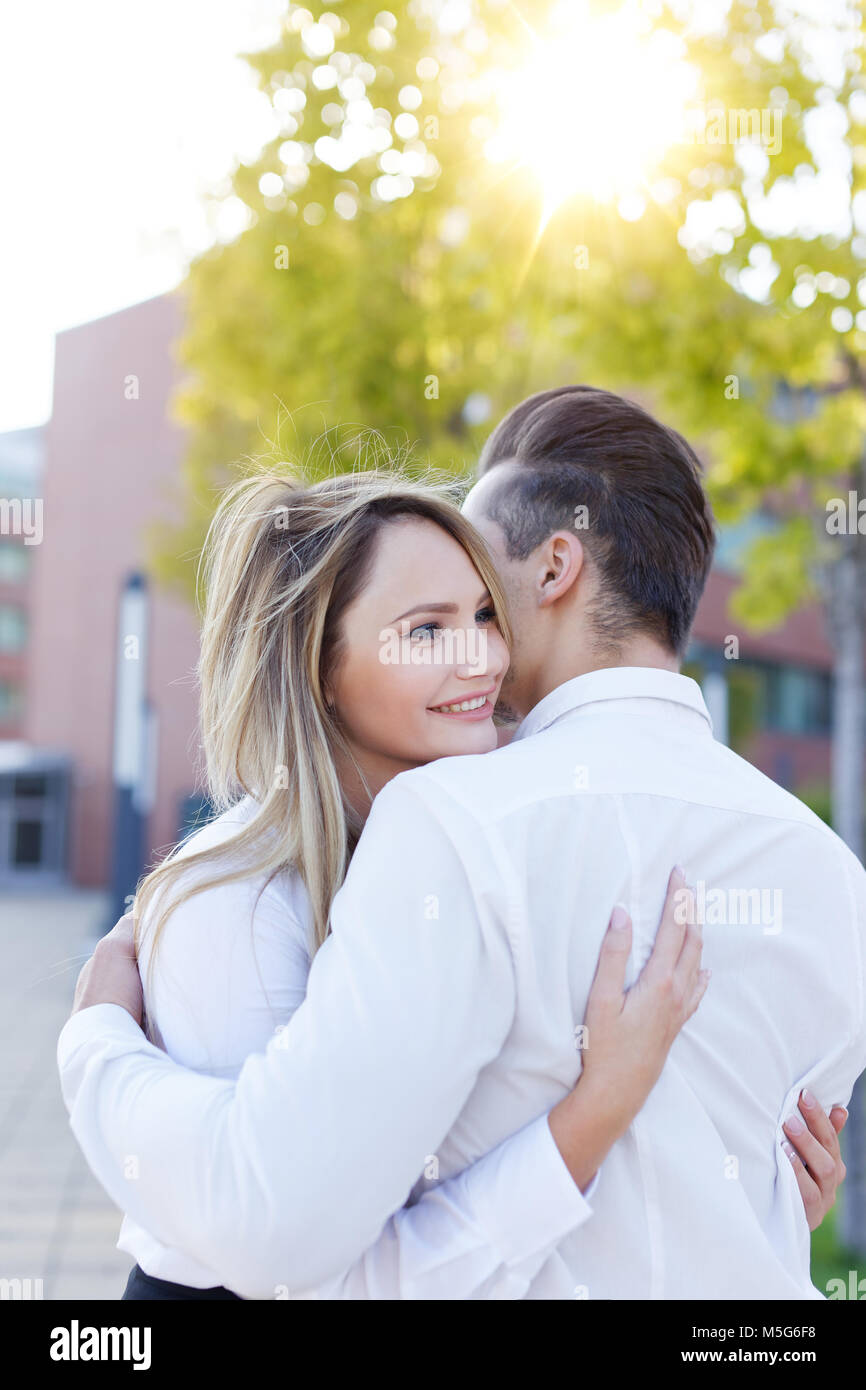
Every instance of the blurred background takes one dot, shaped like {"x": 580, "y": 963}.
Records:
{"x": 243, "y": 230}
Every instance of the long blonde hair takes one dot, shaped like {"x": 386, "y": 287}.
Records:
{"x": 283, "y": 560}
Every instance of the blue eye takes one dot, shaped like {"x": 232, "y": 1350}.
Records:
{"x": 487, "y": 615}
{"x": 425, "y": 627}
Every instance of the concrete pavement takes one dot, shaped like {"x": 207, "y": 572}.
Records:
{"x": 56, "y": 1223}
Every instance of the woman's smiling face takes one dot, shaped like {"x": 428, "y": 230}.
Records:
{"x": 420, "y": 637}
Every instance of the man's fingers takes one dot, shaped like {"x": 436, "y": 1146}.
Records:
{"x": 677, "y": 912}
{"x": 609, "y": 982}
{"x": 123, "y": 933}
{"x": 81, "y": 982}
{"x": 123, "y": 926}
{"x": 111, "y": 975}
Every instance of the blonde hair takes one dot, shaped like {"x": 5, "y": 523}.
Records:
{"x": 282, "y": 561}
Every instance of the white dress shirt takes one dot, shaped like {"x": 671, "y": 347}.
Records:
{"x": 440, "y": 1017}
{"x": 230, "y": 970}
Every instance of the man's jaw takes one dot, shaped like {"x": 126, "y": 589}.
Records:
{"x": 504, "y": 713}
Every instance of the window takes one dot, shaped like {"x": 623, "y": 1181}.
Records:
{"x": 797, "y": 701}
{"x": 30, "y": 785}
{"x": 10, "y": 700}
{"x": 32, "y": 823}
{"x": 767, "y": 695}
{"x": 13, "y": 629}
{"x": 27, "y": 848}
{"x": 14, "y": 563}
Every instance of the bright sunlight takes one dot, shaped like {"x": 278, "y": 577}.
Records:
{"x": 596, "y": 106}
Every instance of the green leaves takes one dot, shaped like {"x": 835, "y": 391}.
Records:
{"x": 778, "y": 576}
{"x": 426, "y": 311}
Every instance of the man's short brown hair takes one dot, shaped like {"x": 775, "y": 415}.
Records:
{"x": 647, "y": 526}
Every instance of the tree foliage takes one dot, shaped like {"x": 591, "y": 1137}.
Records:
{"x": 411, "y": 289}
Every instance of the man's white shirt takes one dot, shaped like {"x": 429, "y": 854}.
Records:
{"x": 442, "y": 1015}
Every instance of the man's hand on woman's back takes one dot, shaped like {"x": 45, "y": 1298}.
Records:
{"x": 111, "y": 975}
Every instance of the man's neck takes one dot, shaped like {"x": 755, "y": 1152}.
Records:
{"x": 640, "y": 652}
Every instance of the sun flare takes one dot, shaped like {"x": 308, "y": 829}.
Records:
{"x": 595, "y": 107}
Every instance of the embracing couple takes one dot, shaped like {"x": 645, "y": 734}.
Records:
{"x": 428, "y": 1017}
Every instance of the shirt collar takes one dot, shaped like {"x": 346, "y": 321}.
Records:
{"x": 614, "y": 683}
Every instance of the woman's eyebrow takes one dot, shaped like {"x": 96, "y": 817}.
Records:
{"x": 435, "y": 608}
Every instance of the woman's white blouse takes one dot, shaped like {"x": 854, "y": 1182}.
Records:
{"x": 230, "y": 970}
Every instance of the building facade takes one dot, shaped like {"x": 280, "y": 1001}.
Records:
{"x": 110, "y": 472}
{"x": 21, "y": 520}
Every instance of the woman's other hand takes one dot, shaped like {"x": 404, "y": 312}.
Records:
{"x": 813, "y": 1148}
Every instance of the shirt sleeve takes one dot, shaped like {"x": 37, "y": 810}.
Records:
{"x": 285, "y": 1178}
{"x": 483, "y": 1234}
{"x": 231, "y": 970}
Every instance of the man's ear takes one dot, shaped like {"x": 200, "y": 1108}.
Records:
{"x": 563, "y": 561}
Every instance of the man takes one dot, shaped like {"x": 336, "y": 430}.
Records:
{"x": 427, "y": 1039}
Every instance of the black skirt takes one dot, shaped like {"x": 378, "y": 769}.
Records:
{"x": 140, "y": 1286}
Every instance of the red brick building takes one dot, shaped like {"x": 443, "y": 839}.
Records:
{"x": 20, "y": 525}
{"x": 111, "y": 460}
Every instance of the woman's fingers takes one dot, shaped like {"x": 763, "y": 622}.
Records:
{"x": 819, "y": 1126}
{"x": 809, "y": 1190}
{"x": 675, "y": 963}
{"x": 677, "y": 911}
{"x": 698, "y": 992}
{"x": 609, "y": 983}
{"x": 813, "y": 1145}
{"x": 820, "y": 1163}
{"x": 688, "y": 966}
{"x": 632, "y": 1029}
{"x": 838, "y": 1118}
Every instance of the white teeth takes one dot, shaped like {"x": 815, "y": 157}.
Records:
{"x": 464, "y": 705}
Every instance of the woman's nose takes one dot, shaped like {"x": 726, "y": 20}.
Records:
{"x": 479, "y": 659}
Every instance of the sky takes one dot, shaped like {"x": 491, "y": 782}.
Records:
{"x": 114, "y": 120}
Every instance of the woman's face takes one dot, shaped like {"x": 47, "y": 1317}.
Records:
{"x": 422, "y": 636}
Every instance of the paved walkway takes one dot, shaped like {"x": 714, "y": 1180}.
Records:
{"x": 56, "y": 1223}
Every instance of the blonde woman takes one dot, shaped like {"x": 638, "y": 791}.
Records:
{"x": 303, "y": 722}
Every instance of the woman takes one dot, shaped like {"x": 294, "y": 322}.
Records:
{"x": 306, "y": 715}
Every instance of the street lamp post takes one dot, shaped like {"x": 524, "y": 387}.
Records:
{"x": 131, "y": 754}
